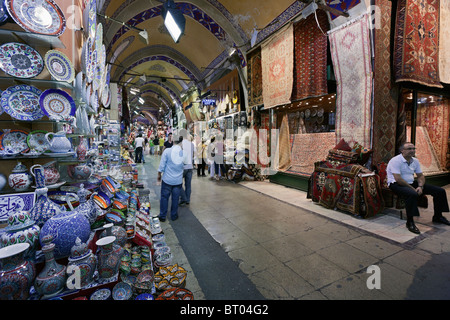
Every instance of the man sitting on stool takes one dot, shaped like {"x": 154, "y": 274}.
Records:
{"x": 400, "y": 178}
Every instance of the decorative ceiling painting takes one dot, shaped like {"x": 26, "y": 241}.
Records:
{"x": 217, "y": 36}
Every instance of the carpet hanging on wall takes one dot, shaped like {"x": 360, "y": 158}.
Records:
{"x": 416, "y": 42}
{"x": 277, "y": 58}
{"x": 350, "y": 52}
{"x": 254, "y": 81}
{"x": 310, "y": 57}
{"x": 444, "y": 41}
{"x": 425, "y": 152}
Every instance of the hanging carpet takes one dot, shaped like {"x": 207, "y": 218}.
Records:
{"x": 254, "y": 81}
{"x": 444, "y": 41}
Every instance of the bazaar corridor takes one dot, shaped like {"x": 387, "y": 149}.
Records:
{"x": 238, "y": 242}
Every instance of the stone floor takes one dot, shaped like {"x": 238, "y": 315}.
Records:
{"x": 291, "y": 248}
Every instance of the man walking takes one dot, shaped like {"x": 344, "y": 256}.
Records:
{"x": 139, "y": 147}
{"x": 188, "y": 149}
{"x": 170, "y": 172}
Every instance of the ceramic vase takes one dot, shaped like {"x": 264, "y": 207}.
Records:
{"x": 16, "y": 273}
{"x": 19, "y": 179}
{"x": 51, "y": 173}
{"x": 85, "y": 261}
{"x": 108, "y": 254}
{"x": 66, "y": 227}
{"x": 82, "y": 149}
{"x": 21, "y": 229}
{"x": 52, "y": 279}
{"x": 39, "y": 176}
{"x": 116, "y": 231}
{"x": 44, "y": 208}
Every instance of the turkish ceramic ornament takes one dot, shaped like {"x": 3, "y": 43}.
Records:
{"x": 83, "y": 259}
{"x": 59, "y": 142}
{"x": 109, "y": 254}
{"x": 86, "y": 206}
{"x": 66, "y": 227}
{"x": 20, "y": 60}
{"x": 52, "y": 279}
{"x": 44, "y": 208}
{"x": 20, "y": 179}
{"x": 16, "y": 273}
{"x": 81, "y": 149}
{"x": 22, "y": 102}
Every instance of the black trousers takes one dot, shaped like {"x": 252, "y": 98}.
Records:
{"x": 440, "y": 202}
{"x": 138, "y": 155}
{"x": 201, "y": 167}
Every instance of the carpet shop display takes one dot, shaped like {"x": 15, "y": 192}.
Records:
{"x": 351, "y": 55}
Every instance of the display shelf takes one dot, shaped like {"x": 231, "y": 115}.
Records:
{"x": 32, "y": 39}
{"x": 51, "y": 84}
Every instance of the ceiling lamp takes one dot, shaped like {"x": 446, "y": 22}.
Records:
{"x": 174, "y": 20}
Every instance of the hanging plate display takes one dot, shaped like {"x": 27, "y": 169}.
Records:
{"x": 106, "y": 96}
{"x": 97, "y": 79}
{"x": 43, "y": 16}
{"x": 36, "y": 141}
{"x": 20, "y": 60}
{"x": 59, "y": 66}
{"x": 14, "y": 141}
{"x": 99, "y": 36}
{"x": 94, "y": 101}
{"x": 57, "y": 104}
{"x": 92, "y": 17}
{"x": 22, "y": 102}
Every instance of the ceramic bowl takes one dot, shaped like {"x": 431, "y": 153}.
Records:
{"x": 119, "y": 205}
{"x": 145, "y": 296}
{"x": 122, "y": 291}
{"x": 110, "y": 217}
{"x": 101, "y": 294}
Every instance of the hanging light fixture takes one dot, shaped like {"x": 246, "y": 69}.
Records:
{"x": 174, "y": 20}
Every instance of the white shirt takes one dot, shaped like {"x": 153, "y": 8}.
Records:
{"x": 139, "y": 142}
{"x": 188, "y": 151}
{"x": 399, "y": 165}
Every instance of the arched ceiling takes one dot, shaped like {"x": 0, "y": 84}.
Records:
{"x": 213, "y": 28}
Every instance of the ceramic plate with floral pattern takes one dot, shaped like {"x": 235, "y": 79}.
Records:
{"x": 57, "y": 104}
{"x": 59, "y": 66}
{"x": 14, "y": 141}
{"x": 36, "y": 141}
{"x": 37, "y": 16}
{"x": 20, "y": 60}
{"x": 22, "y": 102}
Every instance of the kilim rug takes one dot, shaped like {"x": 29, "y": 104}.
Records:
{"x": 254, "y": 81}
{"x": 436, "y": 121}
{"x": 416, "y": 42}
{"x": 350, "y": 52}
{"x": 306, "y": 149}
{"x": 285, "y": 151}
{"x": 429, "y": 162}
{"x": 310, "y": 57}
{"x": 385, "y": 93}
{"x": 277, "y": 58}
{"x": 444, "y": 41}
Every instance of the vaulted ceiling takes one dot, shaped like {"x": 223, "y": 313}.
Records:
{"x": 213, "y": 28}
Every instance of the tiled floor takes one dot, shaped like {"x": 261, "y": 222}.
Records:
{"x": 291, "y": 248}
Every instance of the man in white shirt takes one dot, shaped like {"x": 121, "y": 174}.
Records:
{"x": 138, "y": 148}
{"x": 400, "y": 178}
{"x": 188, "y": 151}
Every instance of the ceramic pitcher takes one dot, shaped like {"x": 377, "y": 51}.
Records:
{"x": 59, "y": 143}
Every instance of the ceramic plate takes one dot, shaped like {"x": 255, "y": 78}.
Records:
{"x": 92, "y": 17}
{"x": 15, "y": 141}
{"x": 59, "y": 66}
{"x": 20, "y": 60}
{"x": 1, "y": 109}
{"x": 3, "y": 13}
{"x": 22, "y": 102}
{"x": 99, "y": 36}
{"x": 43, "y": 16}
{"x": 101, "y": 294}
{"x": 36, "y": 141}
{"x": 57, "y": 104}
{"x": 106, "y": 96}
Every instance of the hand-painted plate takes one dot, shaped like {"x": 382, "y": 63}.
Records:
{"x": 59, "y": 66}
{"x": 37, "y": 16}
{"x": 22, "y": 102}
{"x": 99, "y": 36}
{"x": 36, "y": 141}
{"x": 14, "y": 141}
{"x": 20, "y": 60}
{"x": 57, "y": 104}
{"x": 92, "y": 18}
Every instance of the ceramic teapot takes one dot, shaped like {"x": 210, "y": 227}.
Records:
{"x": 80, "y": 172}
{"x": 59, "y": 143}
{"x": 20, "y": 179}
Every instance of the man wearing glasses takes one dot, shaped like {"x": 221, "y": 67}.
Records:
{"x": 400, "y": 178}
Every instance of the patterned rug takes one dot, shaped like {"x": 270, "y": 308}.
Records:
{"x": 254, "y": 81}
{"x": 385, "y": 92}
{"x": 310, "y": 60}
{"x": 277, "y": 58}
{"x": 436, "y": 121}
{"x": 350, "y": 52}
{"x": 306, "y": 149}
{"x": 425, "y": 151}
{"x": 444, "y": 42}
{"x": 284, "y": 162}
{"x": 416, "y": 42}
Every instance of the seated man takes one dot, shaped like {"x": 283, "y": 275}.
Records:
{"x": 400, "y": 178}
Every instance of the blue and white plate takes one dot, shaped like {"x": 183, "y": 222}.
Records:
{"x": 57, "y": 104}
{"x": 43, "y": 16}
{"x": 59, "y": 66}
{"x": 20, "y": 60}
{"x": 22, "y": 102}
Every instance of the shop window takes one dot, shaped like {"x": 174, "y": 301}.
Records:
{"x": 427, "y": 126}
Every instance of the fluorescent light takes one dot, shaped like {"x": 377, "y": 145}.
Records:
{"x": 172, "y": 26}
{"x": 142, "y": 101}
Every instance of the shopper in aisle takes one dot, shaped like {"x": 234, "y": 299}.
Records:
{"x": 400, "y": 178}
{"x": 139, "y": 144}
{"x": 170, "y": 174}
{"x": 201, "y": 155}
{"x": 161, "y": 143}
{"x": 188, "y": 151}
{"x": 219, "y": 166}
{"x": 169, "y": 142}
{"x": 156, "y": 144}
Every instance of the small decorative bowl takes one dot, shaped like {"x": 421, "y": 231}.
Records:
{"x": 101, "y": 294}
{"x": 122, "y": 291}
{"x": 145, "y": 296}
